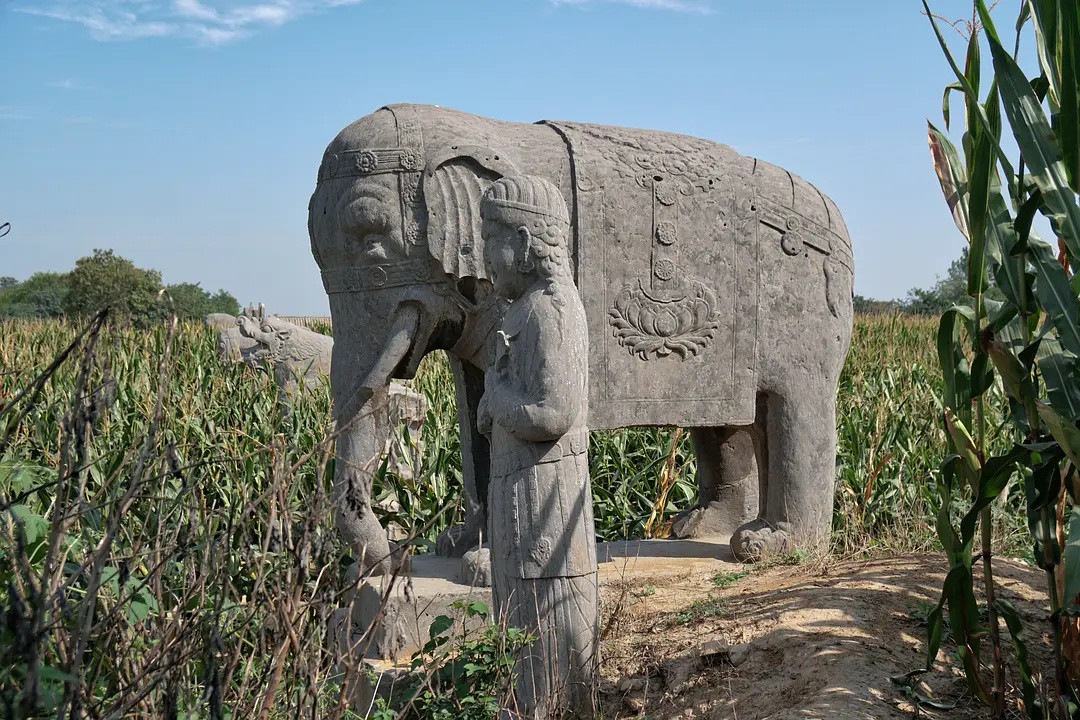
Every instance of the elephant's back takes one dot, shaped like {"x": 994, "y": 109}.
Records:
{"x": 697, "y": 163}
{"x": 789, "y": 192}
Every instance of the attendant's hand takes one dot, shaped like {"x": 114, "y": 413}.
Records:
{"x": 483, "y": 415}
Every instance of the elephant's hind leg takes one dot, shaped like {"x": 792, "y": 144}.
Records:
{"x": 801, "y": 429}
{"x": 728, "y": 485}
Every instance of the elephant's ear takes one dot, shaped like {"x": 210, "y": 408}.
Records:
{"x": 454, "y": 182}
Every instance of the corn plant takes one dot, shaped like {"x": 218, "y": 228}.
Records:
{"x": 1027, "y": 344}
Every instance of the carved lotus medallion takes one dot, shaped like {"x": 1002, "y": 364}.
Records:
{"x": 650, "y": 327}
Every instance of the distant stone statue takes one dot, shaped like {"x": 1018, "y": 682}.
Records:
{"x": 232, "y": 347}
{"x": 294, "y": 352}
{"x": 535, "y": 405}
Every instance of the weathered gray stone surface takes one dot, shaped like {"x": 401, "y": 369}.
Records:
{"x": 716, "y": 287}
{"x": 220, "y": 321}
{"x": 295, "y": 353}
{"x": 232, "y": 346}
{"x": 535, "y": 408}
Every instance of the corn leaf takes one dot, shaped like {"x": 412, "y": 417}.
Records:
{"x": 1041, "y": 152}
{"x": 993, "y": 477}
{"x": 964, "y": 623}
{"x": 951, "y": 176}
{"x": 1072, "y": 557}
{"x": 945, "y": 109}
{"x": 1068, "y": 119}
{"x": 1055, "y": 294}
{"x": 1064, "y": 431}
{"x": 980, "y": 177}
{"x": 1032, "y": 701}
{"x": 1010, "y": 273}
{"x": 1044, "y": 13}
{"x": 970, "y": 92}
{"x": 1059, "y": 371}
{"x": 965, "y": 448}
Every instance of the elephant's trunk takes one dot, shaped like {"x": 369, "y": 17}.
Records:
{"x": 399, "y": 340}
{"x": 360, "y": 411}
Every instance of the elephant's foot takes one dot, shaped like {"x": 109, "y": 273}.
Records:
{"x": 455, "y": 541}
{"x": 719, "y": 518}
{"x": 759, "y": 539}
{"x": 476, "y": 567}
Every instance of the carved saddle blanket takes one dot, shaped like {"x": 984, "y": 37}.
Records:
{"x": 668, "y": 269}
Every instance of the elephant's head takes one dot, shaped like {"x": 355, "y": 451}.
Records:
{"x": 395, "y": 228}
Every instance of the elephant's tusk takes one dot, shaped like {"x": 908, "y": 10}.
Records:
{"x": 400, "y": 339}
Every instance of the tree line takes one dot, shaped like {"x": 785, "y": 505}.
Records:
{"x": 105, "y": 279}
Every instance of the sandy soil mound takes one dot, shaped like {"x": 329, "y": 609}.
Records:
{"x": 810, "y": 641}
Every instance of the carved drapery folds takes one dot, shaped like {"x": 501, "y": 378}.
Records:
{"x": 454, "y": 182}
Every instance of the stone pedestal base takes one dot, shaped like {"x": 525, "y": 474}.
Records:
{"x": 392, "y": 616}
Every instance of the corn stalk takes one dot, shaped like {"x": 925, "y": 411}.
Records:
{"x": 1029, "y": 341}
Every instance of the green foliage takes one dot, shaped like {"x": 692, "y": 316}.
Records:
{"x": 228, "y": 454}
{"x": 42, "y": 295}
{"x": 870, "y": 306}
{"x": 711, "y": 606}
{"x": 105, "y": 280}
{"x": 723, "y": 580}
{"x": 164, "y": 531}
{"x": 191, "y": 302}
{"x": 466, "y": 675}
{"x": 1015, "y": 353}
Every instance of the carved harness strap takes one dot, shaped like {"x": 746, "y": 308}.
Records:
{"x": 407, "y": 157}
{"x": 358, "y": 278}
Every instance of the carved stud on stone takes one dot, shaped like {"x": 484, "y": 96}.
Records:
{"x": 666, "y": 233}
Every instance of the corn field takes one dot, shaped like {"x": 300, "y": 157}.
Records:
{"x": 185, "y": 502}
{"x": 221, "y": 417}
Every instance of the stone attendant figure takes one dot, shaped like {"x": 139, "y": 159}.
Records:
{"x": 535, "y": 406}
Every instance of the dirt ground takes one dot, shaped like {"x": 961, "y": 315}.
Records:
{"x": 816, "y": 640}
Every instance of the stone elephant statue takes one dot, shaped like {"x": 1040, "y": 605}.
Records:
{"x": 717, "y": 288}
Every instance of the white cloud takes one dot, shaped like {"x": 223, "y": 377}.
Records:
{"x": 698, "y": 7}
{"x": 68, "y": 84}
{"x": 208, "y": 22}
{"x": 14, "y": 112}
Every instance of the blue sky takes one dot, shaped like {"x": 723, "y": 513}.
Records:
{"x": 186, "y": 134}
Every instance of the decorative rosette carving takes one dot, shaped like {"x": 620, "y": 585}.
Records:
{"x": 666, "y": 232}
{"x": 366, "y": 161}
{"x": 411, "y": 160}
{"x": 540, "y": 552}
{"x": 665, "y": 193}
{"x": 651, "y": 328}
{"x": 664, "y": 269}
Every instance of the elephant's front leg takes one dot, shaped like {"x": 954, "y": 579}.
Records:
{"x": 727, "y": 471}
{"x": 475, "y": 463}
{"x": 801, "y": 427}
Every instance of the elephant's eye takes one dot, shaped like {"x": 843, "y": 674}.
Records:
{"x": 365, "y": 216}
